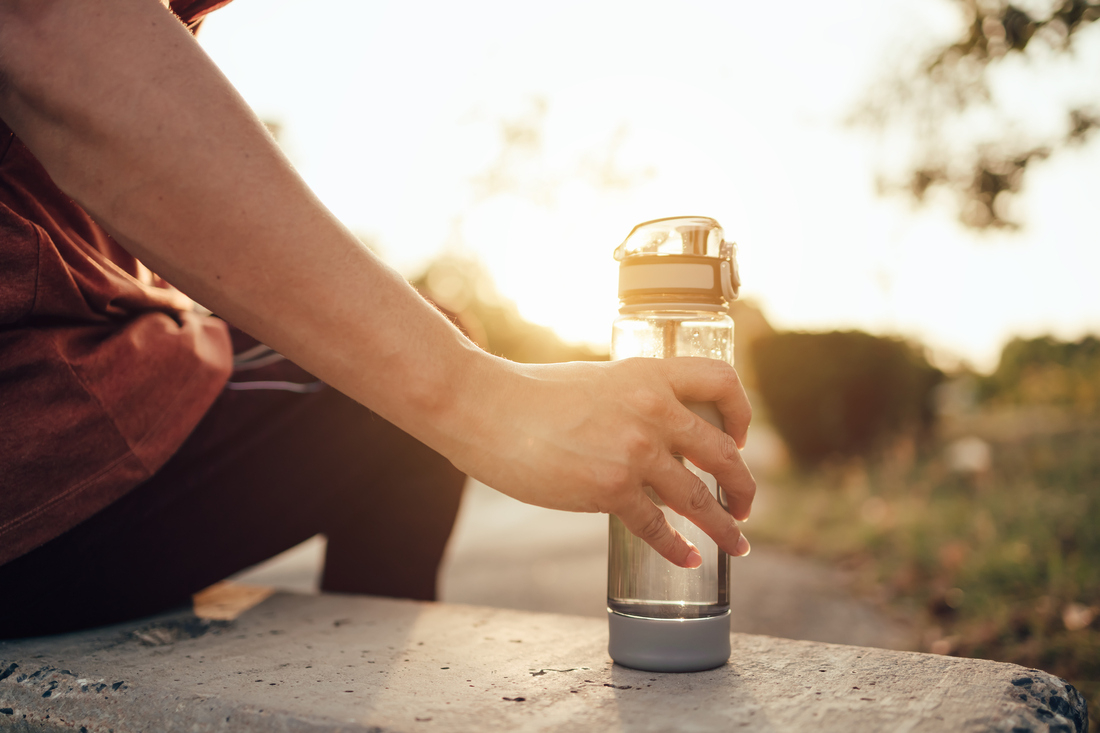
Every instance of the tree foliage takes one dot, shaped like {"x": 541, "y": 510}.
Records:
{"x": 1047, "y": 371}
{"x": 843, "y": 394}
{"x": 936, "y": 99}
{"x": 464, "y": 290}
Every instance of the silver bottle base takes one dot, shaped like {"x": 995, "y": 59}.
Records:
{"x": 667, "y": 644}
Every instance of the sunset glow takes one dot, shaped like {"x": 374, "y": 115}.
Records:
{"x": 393, "y": 114}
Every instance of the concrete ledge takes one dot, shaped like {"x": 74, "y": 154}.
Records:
{"x": 343, "y": 663}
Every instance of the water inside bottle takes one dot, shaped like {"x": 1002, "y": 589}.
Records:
{"x": 642, "y": 583}
{"x": 639, "y": 581}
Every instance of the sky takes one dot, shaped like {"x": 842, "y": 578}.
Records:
{"x": 393, "y": 113}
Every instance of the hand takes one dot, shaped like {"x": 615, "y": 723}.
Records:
{"x": 588, "y": 437}
{"x": 223, "y": 218}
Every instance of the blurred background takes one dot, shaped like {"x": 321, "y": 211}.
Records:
{"x": 913, "y": 185}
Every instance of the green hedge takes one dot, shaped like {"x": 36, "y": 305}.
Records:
{"x": 1046, "y": 371}
{"x": 844, "y": 393}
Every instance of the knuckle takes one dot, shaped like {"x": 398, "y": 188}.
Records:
{"x": 617, "y": 479}
{"x": 655, "y": 529}
{"x": 683, "y": 421}
{"x": 745, "y": 487}
{"x": 648, "y": 403}
{"x": 727, "y": 449}
{"x": 699, "y": 498}
{"x": 729, "y": 377}
{"x": 742, "y": 492}
{"x": 635, "y": 442}
{"x": 733, "y": 532}
{"x": 750, "y": 489}
{"x": 730, "y": 381}
{"x": 640, "y": 449}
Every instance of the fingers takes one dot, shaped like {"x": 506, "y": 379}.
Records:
{"x": 689, "y": 496}
{"x": 716, "y": 453}
{"x": 647, "y": 522}
{"x": 706, "y": 420}
{"x": 710, "y": 380}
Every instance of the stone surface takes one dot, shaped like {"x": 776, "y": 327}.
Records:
{"x": 342, "y": 663}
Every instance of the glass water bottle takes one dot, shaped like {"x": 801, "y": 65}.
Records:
{"x": 676, "y": 279}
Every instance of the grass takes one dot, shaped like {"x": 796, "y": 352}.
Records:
{"x": 999, "y": 564}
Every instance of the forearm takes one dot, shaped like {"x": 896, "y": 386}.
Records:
{"x": 133, "y": 121}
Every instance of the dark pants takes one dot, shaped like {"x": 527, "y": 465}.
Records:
{"x": 265, "y": 469}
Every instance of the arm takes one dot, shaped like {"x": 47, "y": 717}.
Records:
{"x": 184, "y": 176}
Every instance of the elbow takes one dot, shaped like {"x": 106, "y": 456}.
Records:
{"x": 38, "y": 40}
{"x": 24, "y": 45}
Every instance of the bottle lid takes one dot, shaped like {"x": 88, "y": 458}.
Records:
{"x": 681, "y": 261}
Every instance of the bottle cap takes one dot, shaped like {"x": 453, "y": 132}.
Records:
{"x": 680, "y": 261}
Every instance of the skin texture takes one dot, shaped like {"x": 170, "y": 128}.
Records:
{"x": 184, "y": 176}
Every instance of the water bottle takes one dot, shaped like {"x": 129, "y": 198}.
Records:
{"x": 676, "y": 279}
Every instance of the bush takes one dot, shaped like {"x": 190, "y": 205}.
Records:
{"x": 844, "y": 393}
{"x": 1046, "y": 371}
{"x": 1005, "y": 569}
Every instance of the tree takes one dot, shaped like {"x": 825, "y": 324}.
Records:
{"x": 844, "y": 393}
{"x": 960, "y": 137}
{"x": 463, "y": 288}
{"x": 1047, "y": 371}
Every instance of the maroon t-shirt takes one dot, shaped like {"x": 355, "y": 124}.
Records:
{"x": 104, "y": 368}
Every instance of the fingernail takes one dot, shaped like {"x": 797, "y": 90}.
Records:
{"x": 743, "y": 547}
{"x": 694, "y": 559}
